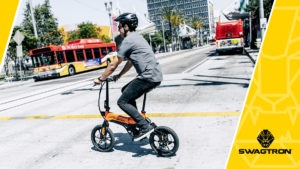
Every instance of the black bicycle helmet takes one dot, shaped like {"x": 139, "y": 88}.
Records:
{"x": 128, "y": 18}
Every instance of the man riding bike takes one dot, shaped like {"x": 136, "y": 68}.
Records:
{"x": 138, "y": 53}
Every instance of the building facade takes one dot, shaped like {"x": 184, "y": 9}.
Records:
{"x": 189, "y": 8}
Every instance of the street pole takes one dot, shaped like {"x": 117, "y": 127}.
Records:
{"x": 163, "y": 32}
{"x": 262, "y": 18}
{"x": 33, "y": 19}
{"x": 250, "y": 28}
{"x": 109, "y": 9}
{"x": 201, "y": 37}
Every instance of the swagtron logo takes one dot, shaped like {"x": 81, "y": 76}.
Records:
{"x": 265, "y": 139}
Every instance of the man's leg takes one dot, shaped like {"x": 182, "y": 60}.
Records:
{"x": 131, "y": 92}
{"x": 132, "y": 102}
{"x": 134, "y": 90}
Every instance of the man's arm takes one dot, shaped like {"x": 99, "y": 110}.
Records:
{"x": 125, "y": 69}
{"x": 109, "y": 70}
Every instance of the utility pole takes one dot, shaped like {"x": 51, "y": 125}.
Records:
{"x": 109, "y": 11}
{"x": 33, "y": 19}
{"x": 250, "y": 26}
{"x": 263, "y": 20}
{"x": 201, "y": 36}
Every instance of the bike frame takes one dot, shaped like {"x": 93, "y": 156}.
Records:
{"x": 116, "y": 118}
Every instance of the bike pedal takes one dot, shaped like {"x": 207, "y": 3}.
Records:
{"x": 144, "y": 139}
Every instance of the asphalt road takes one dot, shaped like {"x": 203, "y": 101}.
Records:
{"x": 47, "y": 125}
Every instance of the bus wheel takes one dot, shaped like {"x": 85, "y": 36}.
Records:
{"x": 71, "y": 70}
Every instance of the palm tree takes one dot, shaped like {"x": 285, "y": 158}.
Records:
{"x": 167, "y": 13}
{"x": 177, "y": 18}
{"x": 174, "y": 17}
{"x": 197, "y": 23}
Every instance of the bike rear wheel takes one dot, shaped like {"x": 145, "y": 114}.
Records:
{"x": 102, "y": 138}
{"x": 164, "y": 141}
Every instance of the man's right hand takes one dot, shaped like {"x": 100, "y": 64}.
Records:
{"x": 97, "y": 81}
{"x": 115, "y": 77}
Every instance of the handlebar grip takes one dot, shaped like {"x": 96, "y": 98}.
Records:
{"x": 110, "y": 79}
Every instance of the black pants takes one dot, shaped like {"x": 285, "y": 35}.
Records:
{"x": 132, "y": 91}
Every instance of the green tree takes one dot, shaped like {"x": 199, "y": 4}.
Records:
{"x": 156, "y": 38}
{"x": 86, "y": 30}
{"x": 47, "y": 25}
{"x": 105, "y": 38}
{"x": 253, "y": 7}
{"x": 177, "y": 18}
{"x": 197, "y": 23}
{"x": 27, "y": 22}
{"x": 174, "y": 17}
{"x": 28, "y": 43}
{"x": 167, "y": 12}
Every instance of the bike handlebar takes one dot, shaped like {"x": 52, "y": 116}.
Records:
{"x": 108, "y": 79}
{"x": 111, "y": 79}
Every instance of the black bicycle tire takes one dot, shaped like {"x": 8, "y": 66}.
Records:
{"x": 96, "y": 144}
{"x": 165, "y": 130}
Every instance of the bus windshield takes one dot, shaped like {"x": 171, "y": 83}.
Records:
{"x": 43, "y": 59}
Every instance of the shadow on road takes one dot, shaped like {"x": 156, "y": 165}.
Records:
{"x": 215, "y": 80}
{"x": 239, "y": 78}
{"x": 124, "y": 143}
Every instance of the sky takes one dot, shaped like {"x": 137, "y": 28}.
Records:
{"x": 70, "y": 12}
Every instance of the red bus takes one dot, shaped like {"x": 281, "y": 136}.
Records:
{"x": 76, "y": 56}
{"x": 229, "y": 36}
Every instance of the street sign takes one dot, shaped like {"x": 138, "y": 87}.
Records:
{"x": 18, "y": 37}
{"x": 19, "y": 51}
{"x": 263, "y": 23}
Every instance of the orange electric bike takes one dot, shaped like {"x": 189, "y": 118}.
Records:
{"x": 164, "y": 141}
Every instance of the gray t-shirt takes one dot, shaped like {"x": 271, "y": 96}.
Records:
{"x": 136, "y": 49}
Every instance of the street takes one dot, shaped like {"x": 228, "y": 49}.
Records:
{"x": 47, "y": 124}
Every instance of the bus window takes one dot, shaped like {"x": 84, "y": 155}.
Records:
{"x": 88, "y": 54}
{"x": 48, "y": 59}
{"x": 79, "y": 54}
{"x": 110, "y": 49}
{"x": 70, "y": 56}
{"x": 96, "y": 53}
{"x": 103, "y": 51}
{"x": 36, "y": 61}
{"x": 60, "y": 57}
{"x": 51, "y": 58}
{"x": 44, "y": 59}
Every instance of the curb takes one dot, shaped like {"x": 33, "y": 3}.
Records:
{"x": 250, "y": 57}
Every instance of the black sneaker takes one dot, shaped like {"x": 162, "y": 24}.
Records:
{"x": 144, "y": 133}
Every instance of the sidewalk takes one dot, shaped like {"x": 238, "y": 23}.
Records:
{"x": 7, "y": 84}
{"x": 252, "y": 54}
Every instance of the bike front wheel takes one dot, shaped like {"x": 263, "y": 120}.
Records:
{"x": 164, "y": 141}
{"x": 102, "y": 138}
